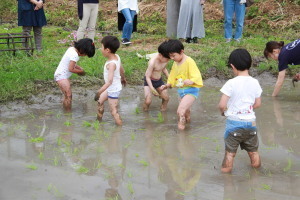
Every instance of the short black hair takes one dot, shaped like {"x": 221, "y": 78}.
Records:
{"x": 241, "y": 59}
{"x": 174, "y": 46}
{"x": 111, "y": 42}
{"x": 85, "y": 46}
{"x": 163, "y": 49}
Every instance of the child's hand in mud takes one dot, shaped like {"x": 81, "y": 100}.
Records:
{"x": 97, "y": 95}
{"x": 154, "y": 92}
{"x": 80, "y": 72}
{"x": 296, "y": 78}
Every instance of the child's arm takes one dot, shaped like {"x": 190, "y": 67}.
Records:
{"x": 257, "y": 103}
{"x": 165, "y": 71}
{"x": 223, "y": 104}
{"x": 122, "y": 73}
{"x": 111, "y": 68}
{"x": 163, "y": 87}
{"x": 75, "y": 68}
{"x": 148, "y": 78}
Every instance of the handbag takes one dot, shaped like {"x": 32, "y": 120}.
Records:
{"x": 249, "y": 2}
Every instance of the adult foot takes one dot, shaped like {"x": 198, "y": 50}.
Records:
{"x": 188, "y": 40}
{"x": 228, "y": 40}
{"x": 125, "y": 41}
{"x": 195, "y": 40}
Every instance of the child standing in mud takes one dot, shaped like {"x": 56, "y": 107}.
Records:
{"x": 240, "y": 96}
{"x": 68, "y": 66}
{"x": 153, "y": 79}
{"x": 186, "y": 76}
{"x": 114, "y": 77}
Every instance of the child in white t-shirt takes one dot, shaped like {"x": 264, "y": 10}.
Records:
{"x": 240, "y": 96}
{"x": 68, "y": 66}
{"x": 114, "y": 77}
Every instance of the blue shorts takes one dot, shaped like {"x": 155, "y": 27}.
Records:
{"x": 188, "y": 90}
{"x": 240, "y": 133}
{"x": 113, "y": 95}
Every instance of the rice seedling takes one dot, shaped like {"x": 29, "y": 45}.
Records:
{"x": 31, "y": 116}
{"x": 137, "y": 110}
{"x": 266, "y": 187}
{"x": 68, "y": 123}
{"x": 289, "y": 165}
{"x": 96, "y": 125}
{"x": 32, "y": 167}
{"x": 59, "y": 141}
{"x": 129, "y": 174}
{"x": 290, "y": 150}
{"x": 137, "y": 155}
{"x": 1, "y": 125}
{"x": 55, "y": 161}
{"x": 130, "y": 188}
{"x": 121, "y": 166}
{"x": 49, "y": 188}
{"x": 58, "y": 115}
{"x": 86, "y": 124}
{"x": 218, "y": 148}
{"x": 160, "y": 118}
{"x": 180, "y": 193}
{"x": 56, "y": 192}
{"x": 49, "y": 113}
{"x": 132, "y": 135}
{"x": 143, "y": 162}
{"x": 36, "y": 140}
{"x": 98, "y": 165}
{"x": 127, "y": 145}
{"x": 41, "y": 156}
{"x": 82, "y": 170}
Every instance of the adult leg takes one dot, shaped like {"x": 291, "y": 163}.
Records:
{"x": 198, "y": 30}
{"x": 185, "y": 20}
{"x": 184, "y": 105}
{"x": 37, "y": 30}
{"x": 255, "y": 159}
{"x": 228, "y": 15}
{"x": 84, "y": 22}
{"x": 65, "y": 87}
{"x": 164, "y": 99}
{"x": 128, "y": 25}
{"x": 92, "y": 21}
{"x": 240, "y": 10}
{"x": 26, "y": 31}
{"x": 100, "y": 107}
{"x": 148, "y": 98}
{"x": 228, "y": 162}
{"x": 113, "y": 105}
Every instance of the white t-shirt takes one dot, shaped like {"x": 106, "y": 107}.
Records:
{"x": 131, "y": 4}
{"x": 62, "y": 71}
{"x": 242, "y": 90}
{"x": 116, "y": 85}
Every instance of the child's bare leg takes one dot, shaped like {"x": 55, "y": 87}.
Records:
{"x": 185, "y": 104}
{"x": 255, "y": 159}
{"x": 165, "y": 99}
{"x": 65, "y": 87}
{"x": 100, "y": 107}
{"x": 148, "y": 100}
{"x": 113, "y": 105}
{"x": 188, "y": 116}
{"x": 228, "y": 162}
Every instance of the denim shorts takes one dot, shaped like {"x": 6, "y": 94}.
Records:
{"x": 188, "y": 90}
{"x": 113, "y": 95}
{"x": 240, "y": 133}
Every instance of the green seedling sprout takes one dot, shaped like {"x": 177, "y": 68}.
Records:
{"x": 68, "y": 123}
{"x": 55, "y": 161}
{"x": 86, "y": 124}
{"x": 160, "y": 118}
{"x": 82, "y": 170}
{"x": 36, "y": 140}
{"x": 32, "y": 167}
{"x": 137, "y": 110}
{"x": 129, "y": 174}
{"x": 143, "y": 162}
{"x": 41, "y": 156}
{"x": 289, "y": 165}
{"x": 132, "y": 135}
{"x": 266, "y": 187}
{"x": 130, "y": 188}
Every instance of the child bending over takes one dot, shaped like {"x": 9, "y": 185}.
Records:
{"x": 68, "y": 66}
{"x": 240, "y": 96}
{"x": 153, "y": 79}
{"x": 186, "y": 76}
{"x": 113, "y": 74}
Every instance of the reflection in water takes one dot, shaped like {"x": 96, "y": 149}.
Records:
{"x": 146, "y": 158}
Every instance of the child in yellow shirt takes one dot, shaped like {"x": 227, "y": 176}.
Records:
{"x": 186, "y": 76}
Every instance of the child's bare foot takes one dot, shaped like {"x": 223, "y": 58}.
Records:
{"x": 181, "y": 123}
{"x": 163, "y": 107}
{"x": 145, "y": 107}
{"x": 119, "y": 122}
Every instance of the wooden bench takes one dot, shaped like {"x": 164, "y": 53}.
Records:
{"x": 16, "y": 41}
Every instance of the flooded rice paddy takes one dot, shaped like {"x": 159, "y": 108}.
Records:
{"x": 47, "y": 154}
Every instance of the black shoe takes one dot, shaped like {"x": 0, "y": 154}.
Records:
{"x": 125, "y": 41}
{"x": 195, "y": 40}
{"x": 188, "y": 40}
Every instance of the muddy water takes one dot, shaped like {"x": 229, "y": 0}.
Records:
{"x": 47, "y": 154}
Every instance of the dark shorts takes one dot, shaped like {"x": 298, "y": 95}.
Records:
{"x": 244, "y": 136}
{"x": 155, "y": 83}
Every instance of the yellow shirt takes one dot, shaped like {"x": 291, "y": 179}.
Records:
{"x": 187, "y": 70}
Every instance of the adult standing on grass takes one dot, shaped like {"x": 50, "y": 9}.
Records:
{"x": 129, "y": 8}
{"x": 31, "y": 16}
{"x": 190, "y": 23}
{"x": 235, "y": 8}
{"x": 285, "y": 55}
{"x": 87, "y": 13}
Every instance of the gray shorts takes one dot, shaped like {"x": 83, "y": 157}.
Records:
{"x": 246, "y": 138}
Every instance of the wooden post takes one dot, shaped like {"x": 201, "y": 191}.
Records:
{"x": 173, "y": 7}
